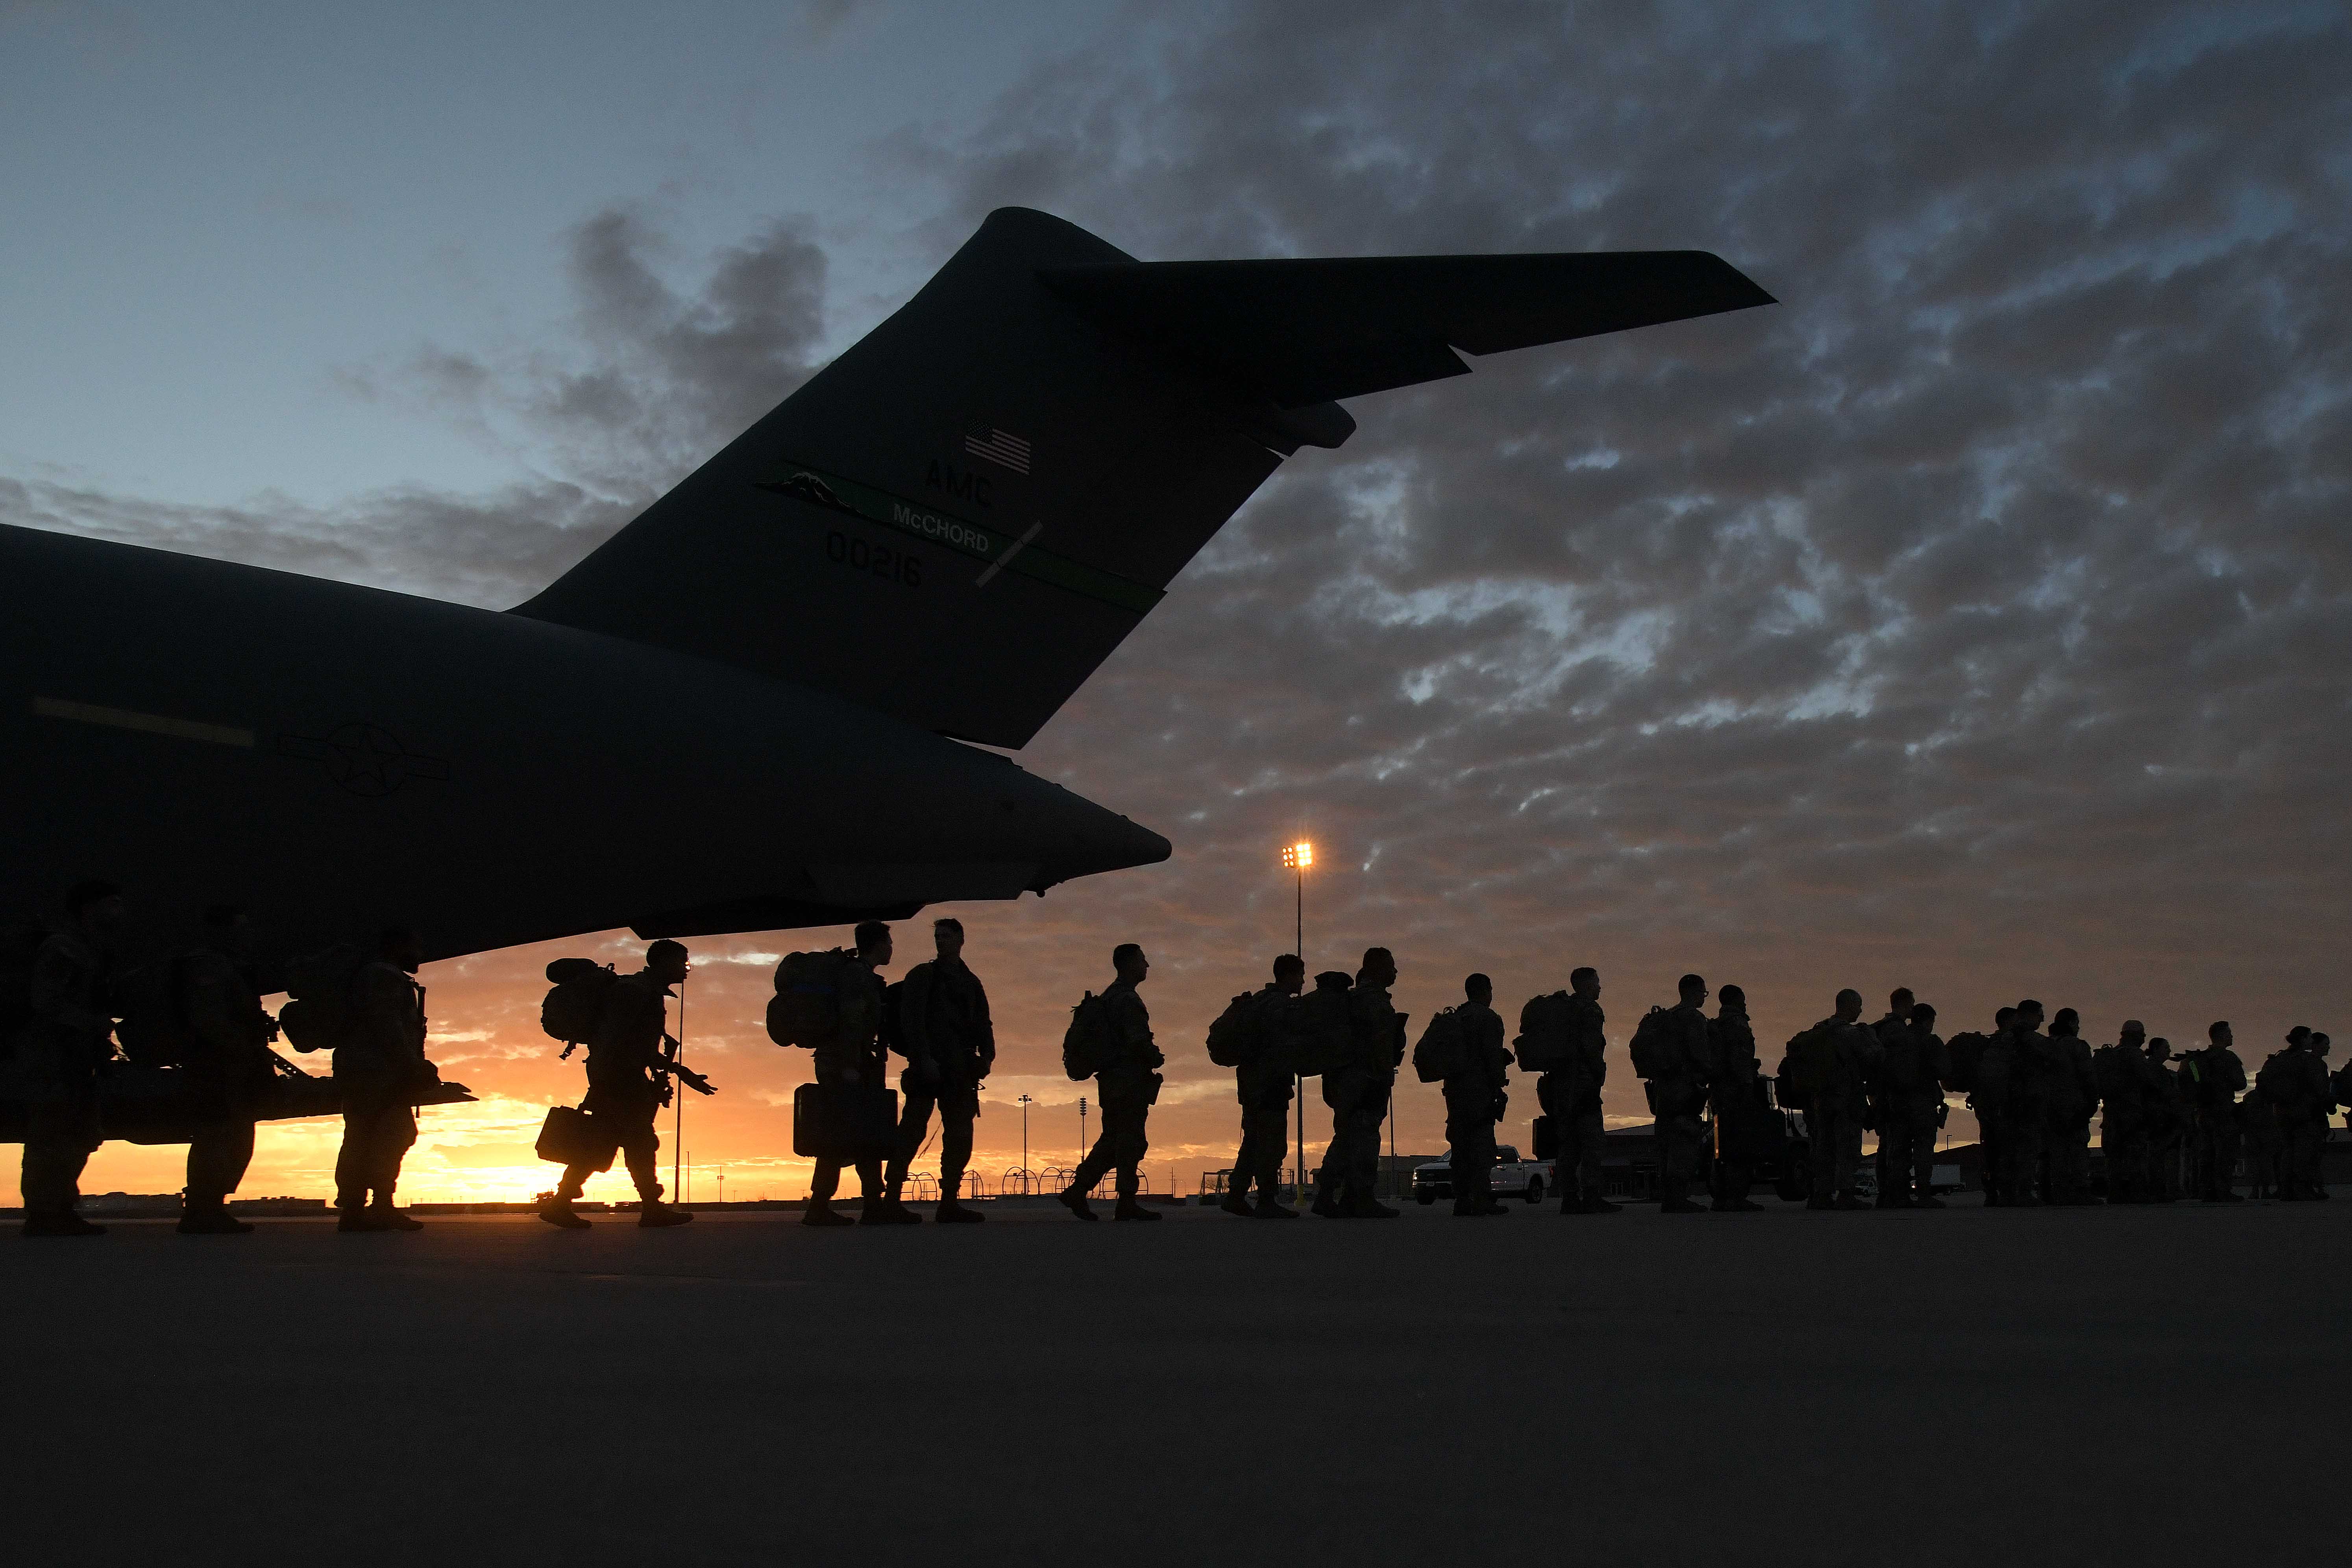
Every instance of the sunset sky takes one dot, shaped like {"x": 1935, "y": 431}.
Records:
{"x": 1976, "y": 619}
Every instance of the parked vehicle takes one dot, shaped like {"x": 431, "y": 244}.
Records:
{"x": 1514, "y": 1177}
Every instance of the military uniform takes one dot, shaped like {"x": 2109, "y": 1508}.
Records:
{"x": 1571, "y": 1096}
{"x": 1473, "y": 1099}
{"x": 229, "y": 1073}
{"x": 1263, "y": 1085}
{"x": 1736, "y": 1096}
{"x": 951, "y": 1045}
{"x": 2035, "y": 1065}
{"x": 1358, "y": 1093}
{"x": 72, "y": 1033}
{"x": 1676, "y": 1095}
{"x": 1908, "y": 1099}
{"x": 857, "y": 1049}
{"x": 1128, "y": 1085}
{"x": 1967, "y": 1074}
{"x": 627, "y": 1085}
{"x": 2214, "y": 1077}
{"x": 2127, "y": 1117}
{"x": 379, "y": 1071}
{"x": 1836, "y": 1109}
{"x": 2073, "y": 1096}
{"x": 2302, "y": 1123}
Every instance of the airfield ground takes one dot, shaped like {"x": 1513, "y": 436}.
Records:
{"x": 2075, "y": 1386}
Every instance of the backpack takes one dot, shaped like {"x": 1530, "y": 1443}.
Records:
{"x": 1320, "y": 1042}
{"x": 1233, "y": 1038}
{"x": 2118, "y": 1078}
{"x": 571, "y": 1011}
{"x": 1086, "y": 1044}
{"x": 1808, "y": 1064}
{"x": 1649, "y": 1048}
{"x": 1543, "y": 1042}
{"x": 154, "y": 1029}
{"x": 806, "y": 1008}
{"x": 1440, "y": 1056}
{"x": 20, "y": 943}
{"x": 2276, "y": 1083}
{"x": 317, "y": 1016}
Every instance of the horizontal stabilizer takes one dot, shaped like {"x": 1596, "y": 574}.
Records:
{"x": 1307, "y": 332}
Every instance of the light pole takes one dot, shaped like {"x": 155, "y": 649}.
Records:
{"x": 1082, "y": 1129}
{"x": 1025, "y": 1145}
{"x": 1296, "y": 858}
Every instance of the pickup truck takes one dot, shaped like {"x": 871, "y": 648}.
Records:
{"x": 1514, "y": 1177}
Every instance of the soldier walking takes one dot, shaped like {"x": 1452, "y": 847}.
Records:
{"x": 630, "y": 1064}
{"x": 1909, "y": 1102}
{"x": 854, "y": 1056}
{"x": 1833, "y": 1062}
{"x": 2074, "y": 1097}
{"x": 71, "y": 1034}
{"x": 1128, "y": 1084}
{"x": 950, "y": 1047}
{"x": 1263, "y": 1081}
{"x": 1570, "y": 1095}
{"x": 1670, "y": 1052}
{"x": 2214, "y": 1079}
{"x": 1735, "y": 1092}
{"x": 229, "y": 1065}
{"x": 380, "y": 1069}
{"x": 1357, "y": 1092}
{"x": 1475, "y": 1100}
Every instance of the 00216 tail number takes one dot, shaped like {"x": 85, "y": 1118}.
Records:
{"x": 893, "y": 565}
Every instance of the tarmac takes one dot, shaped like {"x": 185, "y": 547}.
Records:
{"x": 2131, "y": 1386}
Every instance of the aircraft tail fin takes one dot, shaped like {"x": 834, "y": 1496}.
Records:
{"x": 959, "y": 519}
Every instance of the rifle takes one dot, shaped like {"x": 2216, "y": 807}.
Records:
{"x": 666, "y": 1066}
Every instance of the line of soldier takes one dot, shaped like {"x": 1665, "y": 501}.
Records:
{"x": 2033, "y": 1093}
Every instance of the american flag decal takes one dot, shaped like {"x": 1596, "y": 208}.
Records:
{"x": 1000, "y": 447}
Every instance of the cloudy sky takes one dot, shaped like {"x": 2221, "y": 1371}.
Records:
{"x": 1977, "y": 618}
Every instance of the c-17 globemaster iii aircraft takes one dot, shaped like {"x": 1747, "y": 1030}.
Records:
{"x": 749, "y": 709}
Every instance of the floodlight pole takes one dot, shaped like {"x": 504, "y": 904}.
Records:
{"x": 1298, "y": 1081}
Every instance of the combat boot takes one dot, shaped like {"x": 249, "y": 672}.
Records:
{"x": 559, "y": 1213}
{"x": 359, "y": 1217}
{"x": 54, "y": 1224}
{"x": 1131, "y": 1208}
{"x": 387, "y": 1217}
{"x": 1370, "y": 1208}
{"x": 1270, "y": 1208}
{"x": 211, "y": 1219}
{"x": 655, "y": 1215}
{"x": 1495, "y": 1208}
{"x": 1680, "y": 1206}
{"x": 1930, "y": 1202}
{"x": 1847, "y": 1201}
{"x": 1237, "y": 1202}
{"x": 821, "y": 1213}
{"x": 1596, "y": 1204}
{"x": 885, "y": 1211}
{"x": 1739, "y": 1206}
{"x": 1328, "y": 1208}
{"x": 950, "y": 1212}
{"x": 1071, "y": 1198}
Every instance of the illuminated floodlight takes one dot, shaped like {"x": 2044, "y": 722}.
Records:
{"x": 1298, "y": 857}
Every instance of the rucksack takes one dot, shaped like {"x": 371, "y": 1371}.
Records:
{"x": 154, "y": 1029}
{"x": 1543, "y": 1041}
{"x": 1233, "y": 1038}
{"x": 20, "y": 943}
{"x": 2276, "y": 1083}
{"x": 573, "y": 1009}
{"x": 319, "y": 1014}
{"x": 1439, "y": 1054}
{"x": 806, "y": 1008}
{"x": 1649, "y": 1050}
{"x": 1810, "y": 1061}
{"x": 1319, "y": 1043}
{"x": 1086, "y": 1044}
